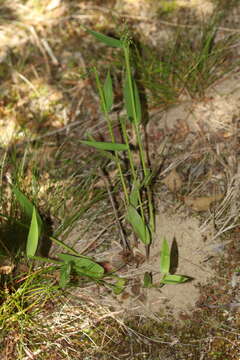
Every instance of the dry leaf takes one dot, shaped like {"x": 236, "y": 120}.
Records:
{"x": 173, "y": 181}
{"x": 202, "y": 203}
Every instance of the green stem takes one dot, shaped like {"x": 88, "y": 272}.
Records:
{"x": 133, "y": 171}
{"x": 66, "y": 247}
{"x": 110, "y": 128}
{"x": 138, "y": 135}
{"x": 136, "y": 127}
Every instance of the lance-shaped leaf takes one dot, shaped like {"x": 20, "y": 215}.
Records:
{"x": 84, "y": 266}
{"x": 135, "y": 195}
{"x": 137, "y": 102}
{"x": 128, "y": 99}
{"x": 33, "y": 235}
{"x": 165, "y": 258}
{"x": 27, "y": 207}
{"x": 108, "y": 40}
{"x": 106, "y": 145}
{"x": 132, "y": 103}
{"x": 108, "y": 92}
{"x": 139, "y": 227}
{"x": 174, "y": 279}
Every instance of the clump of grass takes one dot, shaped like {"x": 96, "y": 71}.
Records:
{"x": 29, "y": 291}
{"x": 191, "y": 61}
{"x": 24, "y": 293}
{"x": 132, "y": 201}
{"x": 71, "y": 262}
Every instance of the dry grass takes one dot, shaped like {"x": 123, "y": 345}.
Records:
{"x": 48, "y": 103}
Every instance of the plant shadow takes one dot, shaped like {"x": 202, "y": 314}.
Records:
{"x": 14, "y": 234}
{"x": 174, "y": 256}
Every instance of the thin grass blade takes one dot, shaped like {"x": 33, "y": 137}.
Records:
{"x": 148, "y": 178}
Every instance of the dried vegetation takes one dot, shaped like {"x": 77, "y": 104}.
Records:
{"x": 187, "y": 66}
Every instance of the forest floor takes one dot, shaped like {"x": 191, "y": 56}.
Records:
{"x": 186, "y": 62}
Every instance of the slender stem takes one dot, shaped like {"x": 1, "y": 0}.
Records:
{"x": 136, "y": 126}
{"x": 138, "y": 135}
{"x": 110, "y": 128}
{"x": 47, "y": 260}
{"x": 66, "y": 247}
{"x": 133, "y": 171}
{"x": 126, "y": 140}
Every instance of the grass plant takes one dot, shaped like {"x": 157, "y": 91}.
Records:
{"x": 133, "y": 108}
{"x": 142, "y": 225}
{"x": 192, "y": 60}
{"x": 71, "y": 262}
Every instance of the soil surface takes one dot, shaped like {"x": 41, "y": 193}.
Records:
{"x": 192, "y": 143}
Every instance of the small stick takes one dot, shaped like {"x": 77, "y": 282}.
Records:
{"x": 49, "y": 52}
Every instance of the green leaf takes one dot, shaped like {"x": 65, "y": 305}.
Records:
{"x": 108, "y": 92}
{"x": 83, "y": 266}
{"x": 128, "y": 100}
{"x": 165, "y": 258}
{"x": 110, "y": 41}
{"x": 147, "y": 281}
{"x": 174, "y": 279}
{"x": 33, "y": 235}
{"x": 27, "y": 207}
{"x": 147, "y": 179}
{"x": 65, "y": 274}
{"x": 134, "y": 195}
{"x": 138, "y": 225}
{"x": 137, "y": 102}
{"x": 119, "y": 286}
{"x": 106, "y": 145}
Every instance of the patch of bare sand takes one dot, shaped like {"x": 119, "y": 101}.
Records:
{"x": 217, "y": 112}
{"x": 189, "y": 257}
